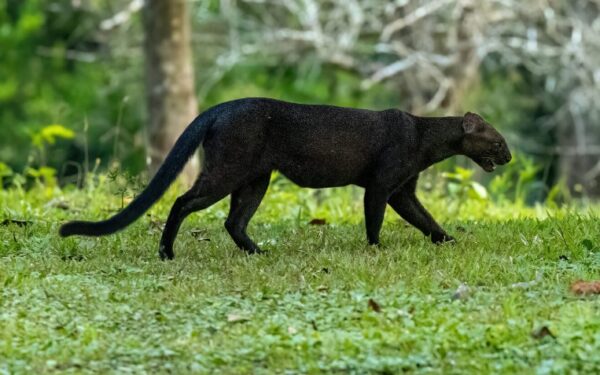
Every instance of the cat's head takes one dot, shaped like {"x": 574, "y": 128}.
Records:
{"x": 482, "y": 143}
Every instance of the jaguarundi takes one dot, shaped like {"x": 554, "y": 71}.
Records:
{"x": 315, "y": 146}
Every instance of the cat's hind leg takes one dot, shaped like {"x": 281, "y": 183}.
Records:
{"x": 244, "y": 203}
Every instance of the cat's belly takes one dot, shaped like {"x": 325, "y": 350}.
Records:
{"x": 317, "y": 173}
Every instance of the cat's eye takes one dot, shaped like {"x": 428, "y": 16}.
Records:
{"x": 496, "y": 144}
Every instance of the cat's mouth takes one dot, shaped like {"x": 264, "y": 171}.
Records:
{"x": 487, "y": 164}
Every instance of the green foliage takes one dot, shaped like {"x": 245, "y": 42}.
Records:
{"x": 97, "y": 305}
{"x": 514, "y": 184}
{"x": 505, "y": 99}
{"x": 44, "y": 176}
{"x": 517, "y": 182}
{"x": 461, "y": 187}
{"x": 48, "y": 135}
{"x": 462, "y": 184}
{"x": 518, "y": 104}
{"x": 57, "y": 68}
{"x": 5, "y": 171}
{"x": 123, "y": 184}
{"x": 53, "y": 70}
{"x": 557, "y": 194}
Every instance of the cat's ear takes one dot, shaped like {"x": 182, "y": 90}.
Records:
{"x": 471, "y": 122}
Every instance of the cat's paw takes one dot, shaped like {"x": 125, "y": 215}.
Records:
{"x": 165, "y": 253}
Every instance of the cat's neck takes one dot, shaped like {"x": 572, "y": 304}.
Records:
{"x": 439, "y": 138}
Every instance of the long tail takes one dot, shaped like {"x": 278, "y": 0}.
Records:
{"x": 184, "y": 148}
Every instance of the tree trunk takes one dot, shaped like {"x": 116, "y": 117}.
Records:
{"x": 170, "y": 92}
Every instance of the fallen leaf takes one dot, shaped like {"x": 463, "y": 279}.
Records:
{"x": 317, "y": 222}
{"x": 581, "y": 287}
{"x": 199, "y": 235}
{"x": 542, "y": 332}
{"x": 237, "y": 318}
{"x": 374, "y": 305}
{"x": 462, "y": 292}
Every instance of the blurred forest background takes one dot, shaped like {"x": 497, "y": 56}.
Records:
{"x": 87, "y": 83}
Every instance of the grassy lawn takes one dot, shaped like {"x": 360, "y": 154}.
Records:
{"x": 320, "y": 301}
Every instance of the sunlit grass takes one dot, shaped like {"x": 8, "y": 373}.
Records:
{"x": 109, "y": 304}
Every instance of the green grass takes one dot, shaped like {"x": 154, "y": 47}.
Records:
{"x": 110, "y": 305}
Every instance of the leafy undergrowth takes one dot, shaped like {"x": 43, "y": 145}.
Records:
{"x": 321, "y": 300}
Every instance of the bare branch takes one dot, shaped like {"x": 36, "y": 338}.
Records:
{"x": 122, "y": 17}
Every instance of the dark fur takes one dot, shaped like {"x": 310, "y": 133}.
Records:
{"x": 314, "y": 146}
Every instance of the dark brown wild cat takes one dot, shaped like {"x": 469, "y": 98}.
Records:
{"x": 314, "y": 146}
